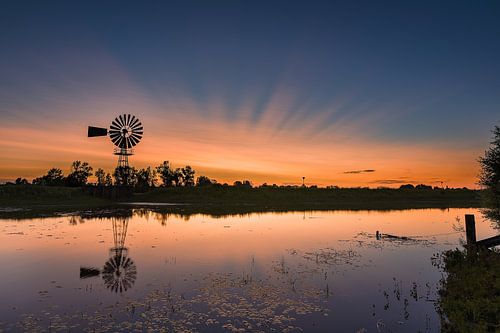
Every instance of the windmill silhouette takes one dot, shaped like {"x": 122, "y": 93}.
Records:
{"x": 125, "y": 132}
{"x": 119, "y": 272}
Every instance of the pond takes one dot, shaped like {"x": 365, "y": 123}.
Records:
{"x": 139, "y": 269}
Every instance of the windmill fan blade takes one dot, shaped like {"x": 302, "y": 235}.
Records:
{"x": 122, "y": 120}
{"x": 118, "y": 121}
{"x": 115, "y": 124}
{"x": 138, "y": 137}
{"x": 97, "y": 131}
{"x": 126, "y": 131}
{"x": 135, "y": 123}
{"x": 133, "y": 141}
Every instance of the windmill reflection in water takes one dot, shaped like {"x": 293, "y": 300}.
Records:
{"x": 119, "y": 272}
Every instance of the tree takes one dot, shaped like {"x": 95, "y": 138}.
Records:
{"x": 489, "y": 177}
{"x": 109, "y": 180}
{"x": 490, "y": 166}
{"x": 125, "y": 176}
{"x": 245, "y": 183}
{"x": 54, "y": 177}
{"x": 80, "y": 172}
{"x": 205, "y": 181}
{"x": 166, "y": 173}
{"x": 101, "y": 177}
{"x": 21, "y": 181}
{"x": 177, "y": 177}
{"x": 187, "y": 176}
{"x": 146, "y": 177}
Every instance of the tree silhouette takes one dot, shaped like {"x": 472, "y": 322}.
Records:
{"x": 125, "y": 176}
{"x": 187, "y": 176}
{"x": 205, "y": 181}
{"x": 80, "y": 172}
{"x": 101, "y": 177}
{"x": 146, "y": 177}
{"x": 54, "y": 177}
{"x": 177, "y": 177}
{"x": 109, "y": 180}
{"x": 490, "y": 178}
{"x": 21, "y": 181}
{"x": 245, "y": 183}
{"x": 166, "y": 173}
{"x": 490, "y": 167}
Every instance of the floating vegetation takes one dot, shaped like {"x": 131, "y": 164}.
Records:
{"x": 223, "y": 302}
{"x": 380, "y": 240}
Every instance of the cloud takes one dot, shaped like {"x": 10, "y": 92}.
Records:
{"x": 359, "y": 171}
{"x": 394, "y": 181}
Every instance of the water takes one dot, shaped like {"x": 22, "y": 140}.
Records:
{"x": 282, "y": 272}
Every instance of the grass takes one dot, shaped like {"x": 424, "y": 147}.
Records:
{"x": 313, "y": 198}
{"x": 470, "y": 293}
{"x": 23, "y": 200}
{"x": 33, "y": 200}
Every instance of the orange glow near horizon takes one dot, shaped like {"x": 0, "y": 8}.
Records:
{"x": 233, "y": 151}
{"x": 227, "y": 143}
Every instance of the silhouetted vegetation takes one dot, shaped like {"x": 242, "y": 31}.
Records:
{"x": 175, "y": 177}
{"x": 470, "y": 292}
{"x": 31, "y": 198}
{"x": 243, "y": 194}
{"x": 205, "y": 181}
{"x": 165, "y": 184}
{"x": 489, "y": 177}
{"x": 146, "y": 178}
{"x": 80, "y": 173}
{"x": 125, "y": 175}
{"x": 54, "y": 177}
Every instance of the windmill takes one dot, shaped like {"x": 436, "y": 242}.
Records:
{"x": 125, "y": 132}
{"x": 119, "y": 272}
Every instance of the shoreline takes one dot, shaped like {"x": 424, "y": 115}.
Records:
{"x": 40, "y": 201}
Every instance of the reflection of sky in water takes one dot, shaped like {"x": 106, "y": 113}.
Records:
{"x": 314, "y": 270}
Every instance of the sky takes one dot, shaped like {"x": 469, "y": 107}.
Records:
{"x": 347, "y": 93}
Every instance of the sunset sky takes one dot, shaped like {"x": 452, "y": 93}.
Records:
{"x": 352, "y": 93}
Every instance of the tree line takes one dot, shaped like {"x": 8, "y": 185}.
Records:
{"x": 162, "y": 175}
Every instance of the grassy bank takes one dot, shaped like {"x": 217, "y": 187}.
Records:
{"x": 313, "y": 198}
{"x": 20, "y": 200}
{"x": 44, "y": 199}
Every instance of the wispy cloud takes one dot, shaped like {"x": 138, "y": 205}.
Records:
{"x": 359, "y": 171}
{"x": 394, "y": 181}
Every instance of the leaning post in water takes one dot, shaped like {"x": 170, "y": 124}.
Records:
{"x": 470, "y": 229}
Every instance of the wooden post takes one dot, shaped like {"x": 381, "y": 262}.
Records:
{"x": 470, "y": 229}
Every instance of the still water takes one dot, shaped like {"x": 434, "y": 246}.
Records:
{"x": 262, "y": 272}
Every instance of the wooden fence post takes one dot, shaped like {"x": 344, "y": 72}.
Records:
{"x": 470, "y": 229}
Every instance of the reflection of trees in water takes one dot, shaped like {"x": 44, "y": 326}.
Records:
{"x": 469, "y": 295}
{"x": 75, "y": 220}
{"x": 492, "y": 214}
